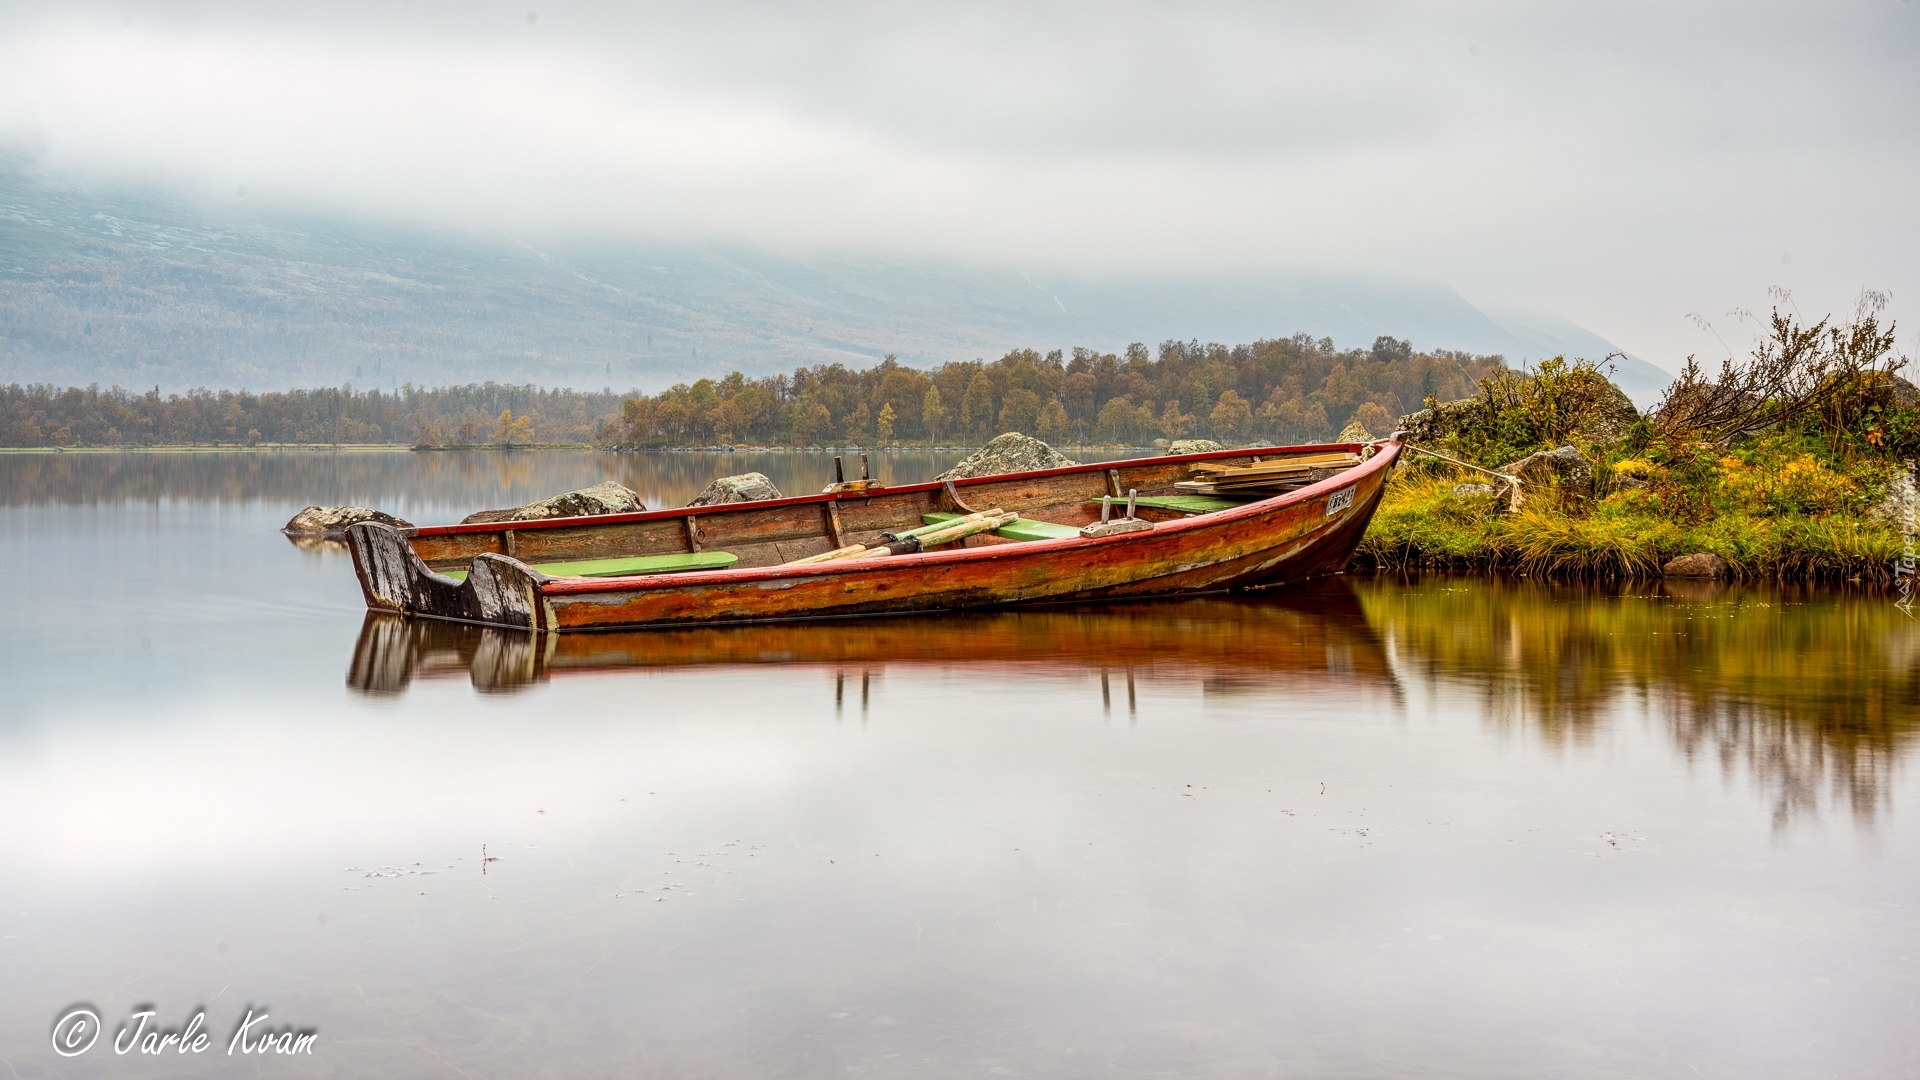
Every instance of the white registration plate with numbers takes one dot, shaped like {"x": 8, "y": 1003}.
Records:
{"x": 1339, "y": 500}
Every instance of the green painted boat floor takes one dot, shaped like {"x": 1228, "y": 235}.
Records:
{"x": 646, "y": 564}
{"x": 1184, "y": 504}
{"x": 1019, "y": 529}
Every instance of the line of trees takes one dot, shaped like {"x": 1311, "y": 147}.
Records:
{"x": 1287, "y": 390}
{"x": 1295, "y": 389}
{"x": 46, "y": 415}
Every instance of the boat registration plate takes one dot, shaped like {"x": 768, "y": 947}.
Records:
{"x": 1339, "y": 500}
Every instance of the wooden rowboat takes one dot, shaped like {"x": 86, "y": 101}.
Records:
{"x": 492, "y": 573}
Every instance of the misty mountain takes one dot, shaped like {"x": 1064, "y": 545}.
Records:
{"x": 143, "y": 288}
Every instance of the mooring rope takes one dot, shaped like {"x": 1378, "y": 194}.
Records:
{"x": 1509, "y": 477}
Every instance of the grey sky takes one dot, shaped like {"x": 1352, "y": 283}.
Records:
{"x": 1619, "y": 164}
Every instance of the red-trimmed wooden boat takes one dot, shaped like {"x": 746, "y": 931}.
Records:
{"x": 491, "y": 573}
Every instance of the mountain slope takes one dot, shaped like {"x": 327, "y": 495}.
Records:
{"x": 140, "y": 289}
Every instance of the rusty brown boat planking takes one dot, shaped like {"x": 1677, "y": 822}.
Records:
{"x": 1290, "y": 537}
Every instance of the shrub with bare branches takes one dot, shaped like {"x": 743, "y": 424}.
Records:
{"x": 1796, "y": 372}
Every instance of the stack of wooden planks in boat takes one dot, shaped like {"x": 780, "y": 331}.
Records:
{"x": 1276, "y": 475}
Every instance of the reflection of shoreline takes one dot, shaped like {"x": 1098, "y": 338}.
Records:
{"x": 1313, "y": 636}
{"x": 1814, "y": 693}
{"x": 1810, "y": 690}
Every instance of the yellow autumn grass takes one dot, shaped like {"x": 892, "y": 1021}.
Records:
{"x": 1800, "y": 522}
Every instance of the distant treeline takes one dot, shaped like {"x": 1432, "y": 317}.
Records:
{"x": 1290, "y": 390}
{"x": 42, "y": 415}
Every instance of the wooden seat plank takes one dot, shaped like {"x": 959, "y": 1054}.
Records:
{"x": 1187, "y": 504}
{"x": 645, "y": 564}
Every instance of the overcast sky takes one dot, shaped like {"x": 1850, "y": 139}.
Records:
{"x": 1621, "y": 164}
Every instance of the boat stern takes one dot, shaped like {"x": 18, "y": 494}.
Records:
{"x": 498, "y": 591}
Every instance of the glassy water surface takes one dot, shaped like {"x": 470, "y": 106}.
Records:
{"x": 1369, "y": 827}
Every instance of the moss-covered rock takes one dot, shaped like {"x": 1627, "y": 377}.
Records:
{"x": 746, "y": 487}
{"x": 333, "y": 520}
{"x": 1012, "y": 452}
{"x": 595, "y": 501}
{"x": 1607, "y": 413}
{"x": 1566, "y": 468}
{"x": 1700, "y": 564}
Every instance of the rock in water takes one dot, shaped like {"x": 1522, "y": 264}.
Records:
{"x": 1012, "y": 452}
{"x": 1193, "y": 446}
{"x": 746, "y": 487}
{"x": 333, "y": 520}
{"x": 1698, "y": 565}
{"x": 1354, "y": 432}
{"x": 1566, "y": 465}
{"x": 607, "y": 498}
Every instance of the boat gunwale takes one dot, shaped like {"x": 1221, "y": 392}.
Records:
{"x": 1389, "y": 451}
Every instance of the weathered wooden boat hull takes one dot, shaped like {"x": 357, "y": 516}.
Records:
{"x": 1291, "y": 537}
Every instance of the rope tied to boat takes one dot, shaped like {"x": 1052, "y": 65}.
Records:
{"x": 1513, "y": 482}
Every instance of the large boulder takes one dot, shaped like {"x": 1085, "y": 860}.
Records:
{"x": 746, "y": 487}
{"x": 1193, "y": 446}
{"x": 1698, "y": 565}
{"x": 333, "y": 520}
{"x": 1889, "y": 391}
{"x": 1904, "y": 394}
{"x": 1608, "y": 416}
{"x": 1902, "y": 503}
{"x": 1445, "y": 419}
{"x": 607, "y": 498}
{"x": 1355, "y": 431}
{"x": 1012, "y": 452}
{"x": 1566, "y": 467}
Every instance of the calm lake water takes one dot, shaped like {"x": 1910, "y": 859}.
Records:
{"x": 1371, "y": 827}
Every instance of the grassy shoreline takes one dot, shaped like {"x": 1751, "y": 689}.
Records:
{"x": 1423, "y": 526}
{"x": 1811, "y": 484}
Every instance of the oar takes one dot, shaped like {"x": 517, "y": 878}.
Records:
{"x": 944, "y": 532}
{"x": 922, "y": 530}
{"x": 958, "y": 530}
{"x": 828, "y": 556}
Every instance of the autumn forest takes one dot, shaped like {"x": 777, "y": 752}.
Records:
{"x": 1294, "y": 389}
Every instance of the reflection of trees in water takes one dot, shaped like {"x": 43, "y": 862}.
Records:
{"x": 1810, "y": 691}
{"x": 1794, "y": 761}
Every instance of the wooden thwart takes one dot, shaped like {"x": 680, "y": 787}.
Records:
{"x": 648, "y": 564}
{"x": 1186, "y": 504}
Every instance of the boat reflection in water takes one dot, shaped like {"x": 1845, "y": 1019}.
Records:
{"x": 1313, "y": 636}
{"x": 1815, "y": 694}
